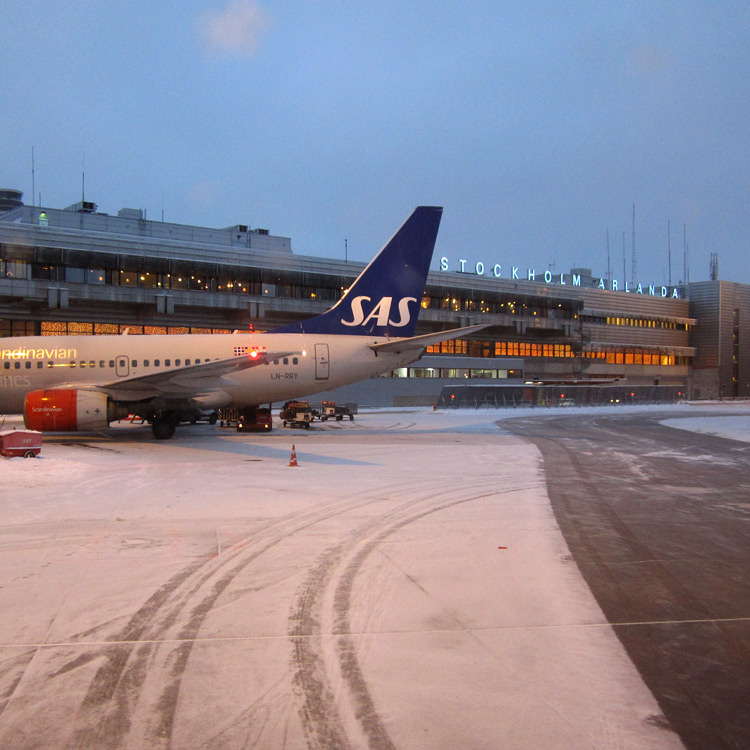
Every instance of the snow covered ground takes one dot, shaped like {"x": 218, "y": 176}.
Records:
{"x": 732, "y": 425}
{"x": 406, "y": 585}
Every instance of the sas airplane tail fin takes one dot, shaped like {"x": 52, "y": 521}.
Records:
{"x": 386, "y": 297}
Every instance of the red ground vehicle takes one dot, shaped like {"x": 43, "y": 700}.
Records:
{"x": 26, "y": 443}
{"x": 249, "y": 419}
{"x": 255, "y": 420}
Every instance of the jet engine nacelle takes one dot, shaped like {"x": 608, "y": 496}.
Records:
{"x": 69, "y": 410}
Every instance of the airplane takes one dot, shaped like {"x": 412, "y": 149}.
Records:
{"x": 83, "y": 383}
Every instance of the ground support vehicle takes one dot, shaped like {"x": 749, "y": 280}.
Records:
{"x": 327, "y": 410}
{"x": 249, "y": 419}
{"x": 296, "y": 414}
{"x": 211, "y": 416}
{"x": 346, "y": 410}
{"x": 26, "y": 443}
{"x": 331, "y": 410}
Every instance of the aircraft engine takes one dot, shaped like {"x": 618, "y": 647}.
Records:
{"x": 69, "y": 410}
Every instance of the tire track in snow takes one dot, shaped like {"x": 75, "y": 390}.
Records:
{"x": 328, "y": 722}
{"x": 144, "y": 653}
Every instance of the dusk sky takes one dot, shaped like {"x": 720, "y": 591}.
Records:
{"x": 537, "y": 125}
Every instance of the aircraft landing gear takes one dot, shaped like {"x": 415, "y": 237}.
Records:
{"x": 163, "y": 426}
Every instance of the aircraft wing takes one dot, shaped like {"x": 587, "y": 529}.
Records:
{"x": 184, "y": 382}
{"x": 420, "y": 342}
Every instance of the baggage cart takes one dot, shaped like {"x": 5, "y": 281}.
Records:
{"x": 26, "y": 443}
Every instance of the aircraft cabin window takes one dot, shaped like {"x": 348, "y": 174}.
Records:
{"x": 167, "y": 362}
{"x": 157, "y": 363}
{"x": 28, "y": 365}
{"x": 177, "y": 362}
{"x": 146, "y": 363}
{"x": 39, "y": 365}
{"x": 187, "y": 361}
{"x": 7, "y": 365}
{"x": 82, "y": 364}
{"x": 71, "y": 364}
{"x": 134, "y": 363}
{"x": 295, "y": 361}
{"x": 286, "y": 360}
{"x": 92, "y": 363}
{"x": 101, "y": 363}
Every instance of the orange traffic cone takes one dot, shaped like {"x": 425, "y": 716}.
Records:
{"x": 293, "y": 459}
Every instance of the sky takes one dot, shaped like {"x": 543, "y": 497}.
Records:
{"x": 542, "y": 128}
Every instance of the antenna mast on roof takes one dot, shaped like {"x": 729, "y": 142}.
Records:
{"x": 609, "y": 267}
{"x": 33, "y": 186}
{"x": 83, "y": 176}
{"x": 714, "y": 267}
{"x": 669, "y": 252}
{"x": 634, "y": 266}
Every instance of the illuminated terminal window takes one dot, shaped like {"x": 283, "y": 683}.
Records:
{"x": 501, "y": 349}
{"x": 96, "y": 276}
{"x": 464, "y": 373}
{"x": 635, "y": 357}
{"x": 668, "y": 325}
{"x": 71, "y": 328}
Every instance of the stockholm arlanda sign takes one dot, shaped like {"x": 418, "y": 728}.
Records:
{"x": 561, "y": 279}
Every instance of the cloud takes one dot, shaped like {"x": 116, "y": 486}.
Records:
{"x": 237, "y": 29}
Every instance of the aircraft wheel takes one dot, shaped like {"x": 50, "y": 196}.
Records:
{"x": 29, "y": 454}
{"x": 163, "y": 428}
{"x": 213, "y": 418}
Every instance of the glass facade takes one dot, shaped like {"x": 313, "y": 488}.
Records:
{"x": 532, "y": 325}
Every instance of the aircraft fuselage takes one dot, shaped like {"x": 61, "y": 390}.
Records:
{"x": 315, "y": 363}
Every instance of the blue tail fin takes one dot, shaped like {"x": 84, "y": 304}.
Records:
{"x": 386, "y": 297}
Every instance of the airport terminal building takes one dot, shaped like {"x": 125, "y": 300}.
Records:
{"x": 79, "y": 271}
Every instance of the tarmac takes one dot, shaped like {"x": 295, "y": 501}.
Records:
{"x": 417, "y": 580}
{"x": 658, "y": 521}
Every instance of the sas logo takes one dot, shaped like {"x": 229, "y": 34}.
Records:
{"x": 381, "y": 312}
